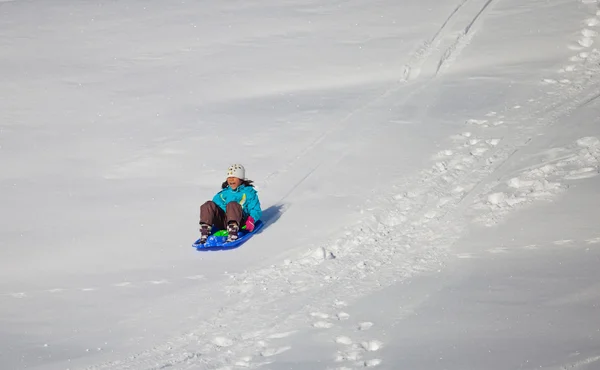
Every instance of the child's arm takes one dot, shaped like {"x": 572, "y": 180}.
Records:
{"x": 253, "y": 204}
{"x": 218, "y": 199}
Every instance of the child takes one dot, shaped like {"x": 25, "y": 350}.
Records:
{"x": 236, "y": 204}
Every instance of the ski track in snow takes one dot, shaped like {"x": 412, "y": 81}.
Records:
{"x": 459, "y": 28}
{"x": 465, "y": 34}
{"x": 415, "y": 224}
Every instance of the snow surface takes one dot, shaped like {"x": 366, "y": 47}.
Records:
{"x": 428, "y": 172}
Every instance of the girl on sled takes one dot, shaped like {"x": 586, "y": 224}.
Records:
{"x": 235, "y": 206}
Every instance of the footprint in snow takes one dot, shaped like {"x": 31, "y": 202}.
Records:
{"x": 458, "y": 190}
{"x": 195, "y": 277}
{"x": 478, "y": 152}
{"x": 343, "y": 316}
{"x": 586, "y": 32}
{"x": 343, "y": 340}
{"x": 582, "y": 173}
{"x": 586, "y": 42}
{"x": 352, "y": 355}
{"x": 365, "y": 325}
{"x": 274, "y": 351}
{"x": 371, "y": 345}
{"x": 159, "y": 282}
{"x": 441, "y": 166}
{"x": 372, "y": 363}
{"x": 498, "y": 250}
{"x": 430, "y": 215}
{"x": 496, "y": 199}
{"x": 340, "y": 304}
{"x": 322, "y": 325}
{"x": 222, "y": 342}
{"x": 479, "y": 122}
{"x": 244, "y": 362}
{"x": 575, "y": 47}
{"x": 563, "y": 242}
{"x": 281, "y": 335}
{"x": 443, "y": 201}
{"x": 56, "y": 290}
{"x": 443, "y": 154}
{"x": 319, "y": 315}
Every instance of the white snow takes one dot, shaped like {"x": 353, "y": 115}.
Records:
{"x": 428, "y": 172}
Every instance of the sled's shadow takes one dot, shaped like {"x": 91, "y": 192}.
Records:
{"x": 272, "y": 214}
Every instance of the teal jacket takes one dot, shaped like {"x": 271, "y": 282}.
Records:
{"x": 246, "y": 196}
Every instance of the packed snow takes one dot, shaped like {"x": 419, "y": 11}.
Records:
{"x": 428, "y": 172}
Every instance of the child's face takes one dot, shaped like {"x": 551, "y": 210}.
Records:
{"x": 234, "y": 182}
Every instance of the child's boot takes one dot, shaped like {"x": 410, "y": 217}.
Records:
{"x": 204, "y": 232}
{"x": 232, "y": 230}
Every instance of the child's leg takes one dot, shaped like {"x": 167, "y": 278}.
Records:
{"x": 234, "y": 216}
{"x": 212, "y": 214}
{"x": 234, "y": 213}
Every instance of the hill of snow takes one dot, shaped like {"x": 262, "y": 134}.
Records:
{"x": 428, "y": 172}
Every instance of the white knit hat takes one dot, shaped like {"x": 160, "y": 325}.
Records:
{"x": 236, "y": 170}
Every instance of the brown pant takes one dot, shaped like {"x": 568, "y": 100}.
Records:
{"x": 212, "y": 214}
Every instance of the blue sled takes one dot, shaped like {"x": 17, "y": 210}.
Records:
{"x": 217, "y": 243}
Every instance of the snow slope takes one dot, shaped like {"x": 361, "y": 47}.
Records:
{"x": 405, "y": 153}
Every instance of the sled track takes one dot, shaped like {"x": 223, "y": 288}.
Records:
{"x": 590, "y": 100}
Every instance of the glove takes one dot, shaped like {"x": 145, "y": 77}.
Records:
{"x": 250, "y": 224}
